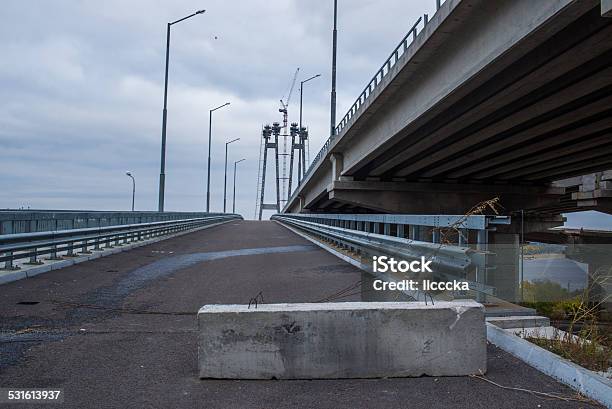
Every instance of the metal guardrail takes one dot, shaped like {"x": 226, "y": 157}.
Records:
{"x": 373, "y": 84}
{"x": 29, "y": 221}
{"x": 474, "y": 222}
{"x": 410, "y": 237}
{"x": 33, "y": 245}
{"x": 448, "y": 257}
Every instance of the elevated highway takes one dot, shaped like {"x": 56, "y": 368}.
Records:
{"x": 490, "y": 99}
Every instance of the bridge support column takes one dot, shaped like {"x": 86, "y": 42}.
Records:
{"x": 337, "y": 161}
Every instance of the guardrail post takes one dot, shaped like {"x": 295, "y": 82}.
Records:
{"x": 387, "y": 229}
{"x": 400, "y": 230}
{"x": 34, "y": 258}
{"x": 435, "y": 235}
{"x": 53, "y": 255}
{"x": 97, "y": 244}
{"x": 376, "y": 228}
{"x": 84, "y": 249}
{"x": 70, "y": 252}
{"x": 8, "y": 264}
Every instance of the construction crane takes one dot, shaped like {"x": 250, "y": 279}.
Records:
{"x": 284, "y": 109}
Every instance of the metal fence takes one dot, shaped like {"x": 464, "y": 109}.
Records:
{"x": 32, "y": 246}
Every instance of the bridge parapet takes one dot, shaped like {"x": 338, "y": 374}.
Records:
{"x": 30, "y": 221}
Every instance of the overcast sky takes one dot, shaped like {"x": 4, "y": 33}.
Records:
{"x": 81, "y": 91}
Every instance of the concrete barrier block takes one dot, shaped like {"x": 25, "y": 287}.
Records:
{"x": 341, "y": 340}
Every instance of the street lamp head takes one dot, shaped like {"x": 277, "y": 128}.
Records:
{"x": 200, "y": 11}
{"x": 129, "y": 173}
{"x": 311, "y": 78}
{"x": 220, "y": 106}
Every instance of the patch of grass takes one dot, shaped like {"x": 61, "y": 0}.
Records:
{"x": 586, "y": 353}
{"x": 583, "y": 342}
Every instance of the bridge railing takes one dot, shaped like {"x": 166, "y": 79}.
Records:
{"x": 397, "y": 53}
{"x": 30, "y": 221}
{"x": 373, "y": 84}
{"x": 456, "y": 245}
{"x": 32, "y": 246}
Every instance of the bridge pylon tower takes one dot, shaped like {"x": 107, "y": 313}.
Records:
{"x": 270, "y": 140}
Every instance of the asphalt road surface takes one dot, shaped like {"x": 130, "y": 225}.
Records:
{"x": 120, "y": 331}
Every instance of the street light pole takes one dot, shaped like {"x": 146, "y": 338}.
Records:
{"x": 162, "y": 172}
{"x": 225, "y": 174}
{"x": 209, "y": 148}
{"x": 302, "y": 157}
{"x": 133, "y": 187}
{"x": 234, "y": 200}
{"x": 333, "y": 90}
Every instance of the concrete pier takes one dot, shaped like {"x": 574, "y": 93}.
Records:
{"x": 341, "y": 340}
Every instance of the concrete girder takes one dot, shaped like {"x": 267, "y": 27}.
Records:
{"x": 523, "y": 116}
{"x": 501, "y": 123}
{"x": 579, "y": 167}
{"x": 510, "y": 149}
{"x": 547, "y": 162}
